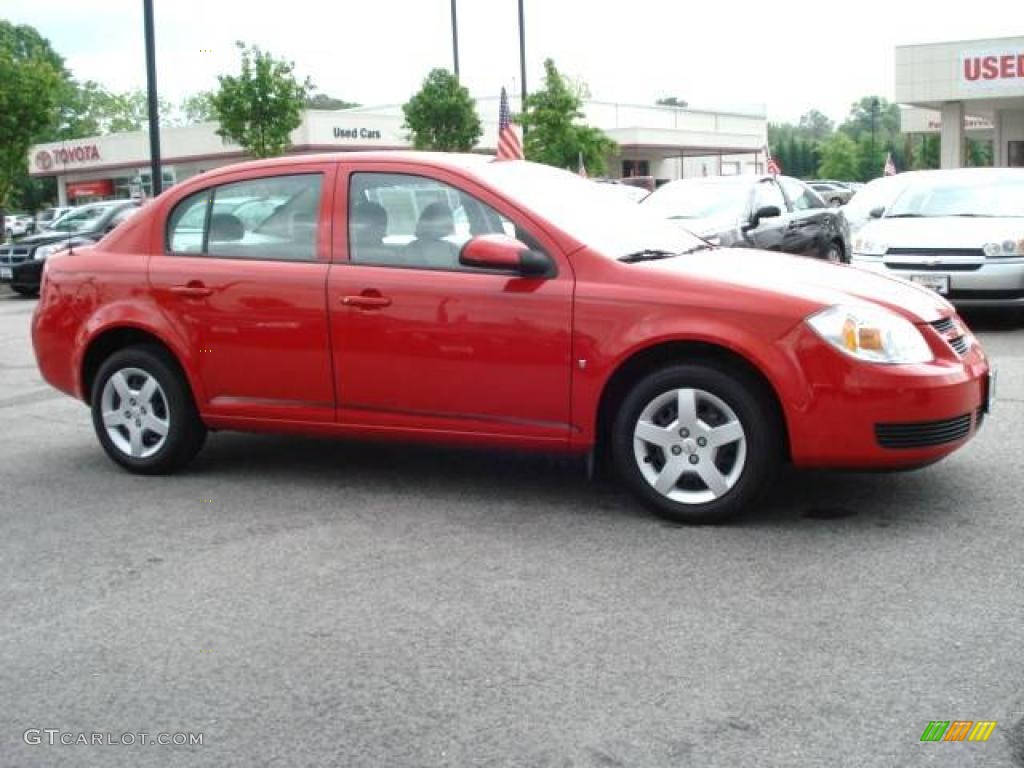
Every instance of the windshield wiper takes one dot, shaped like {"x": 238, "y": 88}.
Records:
{"x": 648, "y": 254}
{"x": 700, "y": 247}
{"x": 972, "y": 215}
{"x": 906, "y": 216}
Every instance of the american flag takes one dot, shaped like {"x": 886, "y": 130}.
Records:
{"x": 773, "y": 165}
{"x": 509, "y": 146}
{"x": 890, "y": 166}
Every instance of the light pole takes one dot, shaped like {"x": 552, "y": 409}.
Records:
{"x": 455, "y": 40}
{"x": 155, "y": 174}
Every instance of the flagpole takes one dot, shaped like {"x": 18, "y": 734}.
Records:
{"x": 522, "y": 62}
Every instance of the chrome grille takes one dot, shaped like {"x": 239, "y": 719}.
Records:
{"x": 935, "y": 252}
{"x": 10, "y": 255}
{"x": 949, "y": 331}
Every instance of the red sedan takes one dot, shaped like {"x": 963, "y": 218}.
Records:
{"x": 458, "y": 299}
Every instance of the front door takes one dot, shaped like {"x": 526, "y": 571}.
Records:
{"x": 422, "y": 343}
{"x": 770, "y": 232}
{"x": 242, "y": 278}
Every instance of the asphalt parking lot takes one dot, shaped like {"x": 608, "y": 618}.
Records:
{"x": 308, "y": 602}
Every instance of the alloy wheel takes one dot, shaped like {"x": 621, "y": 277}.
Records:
{"x": 690, "y": 446}
{"x": 135, "y": 412}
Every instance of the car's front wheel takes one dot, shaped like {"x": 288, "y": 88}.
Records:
{"x": 143, "y": 412}
{"x": 697, "y": 442}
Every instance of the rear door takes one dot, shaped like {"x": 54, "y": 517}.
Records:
{"x": 242, "y": 278}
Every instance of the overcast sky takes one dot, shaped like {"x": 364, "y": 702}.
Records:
{"x": 789, "y": 56}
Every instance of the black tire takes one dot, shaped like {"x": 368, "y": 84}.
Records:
{"x": 751, "y": 407}
{"x": 21, "y": 290}
{"x": 834, "y": 253}
{"x": 186, "y": 433}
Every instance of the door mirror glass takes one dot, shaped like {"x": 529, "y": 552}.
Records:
{"x": 876, "y": 213}
{"x": 504, "y": 253}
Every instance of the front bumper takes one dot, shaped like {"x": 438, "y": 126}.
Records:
{"x": 972, "y": 282}
{"x": 868, "y": 416}
{"x": 27, "y": 275}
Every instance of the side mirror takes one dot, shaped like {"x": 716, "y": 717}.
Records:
{"x": 764, "y": 212}
{"x": 876, "y": 213}
{"x": 504, "y": 253}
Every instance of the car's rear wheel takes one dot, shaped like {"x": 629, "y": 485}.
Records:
{"x": 698, "y": 443}
{"x": 143, "y": 412}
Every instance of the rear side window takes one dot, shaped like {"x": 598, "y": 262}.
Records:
{"x": 273, "y": 219}
{"x": 801, "y": 196}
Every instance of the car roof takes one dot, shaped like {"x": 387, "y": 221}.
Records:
{"x": 450, "y": 160}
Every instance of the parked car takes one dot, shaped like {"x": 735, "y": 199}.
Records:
{"x": 766, "y": 212}
{"x": 594, "y": 327}
{"x": 958, "y": 232}
{"x": 21, "y": 263}
{"x": 48, "y": 216}
{"x": 877, "y": 194}
{"x": 18, "y": 225}
{"x": 626, "y": 191}
{"x": 834, "y": 194}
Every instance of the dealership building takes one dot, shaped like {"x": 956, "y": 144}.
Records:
{"x": 972, "y": 88}
{"x": 664, "y": 142}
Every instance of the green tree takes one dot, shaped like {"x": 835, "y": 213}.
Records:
{"x": 31, "y": 76}
{"x": 323, "y": 101}
{"x": 441, "y": 116}
{"x": 926, "y": 153}
{"x": 262, "y": 105}
{"x": 197, "y": 108}
{"x": 816, "y": 126}
{"x": 840, "y": 158}
{"x": 554, "y": 133}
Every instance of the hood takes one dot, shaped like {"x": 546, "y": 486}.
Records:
{"x": 942, "y": 232}
{"x": 48, "y": 237}
{"x": 705, "y": 226}
{"x": 818, "y": 283}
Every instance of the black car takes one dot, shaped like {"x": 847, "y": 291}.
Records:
{"x": 767, "y": 212}
{"x": 21, "y": 263}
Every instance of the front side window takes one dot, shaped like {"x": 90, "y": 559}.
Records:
{"x": 273, "y": 218}
{"x": 800, "y": 195}
{"x": 768, "y": 193}
{"x": 401, "y": 220}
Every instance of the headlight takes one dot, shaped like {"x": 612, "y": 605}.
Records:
{"x": 872, "y": 334}
{"x": 868, "y": 247}
{"x": 48, "y": 250}
{"x": 1005, "y": 248}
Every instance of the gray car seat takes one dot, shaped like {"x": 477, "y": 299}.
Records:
{"x": 430, "y": 248}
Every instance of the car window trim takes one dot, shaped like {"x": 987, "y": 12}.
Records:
{"x": 210, "y": 192}
{"x": 353, "y": 171}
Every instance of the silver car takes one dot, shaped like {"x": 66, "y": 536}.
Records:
{"x": 871, "y": 200}
{"x": 959, "y": 233}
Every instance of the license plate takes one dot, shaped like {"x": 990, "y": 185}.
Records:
{"x": 938, "y": 283}
{"x": 990, "y": 395}
{"x": 5, "y": 273}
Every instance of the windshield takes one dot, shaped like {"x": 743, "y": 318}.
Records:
{"x": 983, "y": 195}
{"x": 83, "y": 218}
{"x": 700, "y": 200}
{"x": 609, "y": 223}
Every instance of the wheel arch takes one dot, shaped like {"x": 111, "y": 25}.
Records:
{"x": 113, "y": 338}
{"x": 643, "y": 361}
